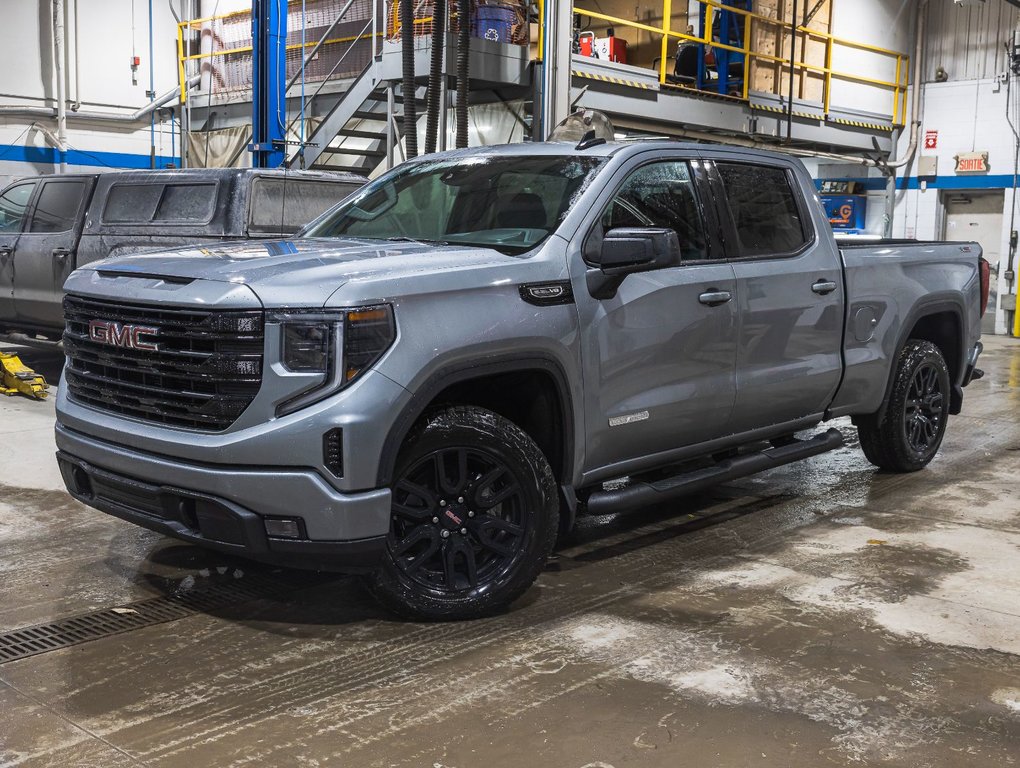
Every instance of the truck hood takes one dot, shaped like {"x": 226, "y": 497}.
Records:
{"x": 302, "y": 272}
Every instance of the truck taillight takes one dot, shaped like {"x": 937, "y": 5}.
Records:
{"x": 986, "y": 274}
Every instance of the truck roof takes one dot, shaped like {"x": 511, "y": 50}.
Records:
{"x": 120, "y": 174}
{"x": 607, "y": 149}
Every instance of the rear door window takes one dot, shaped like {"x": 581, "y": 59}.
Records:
{"x": 764, "y": 209}
{"x": 13, "y": 204}
{"x": 283, "y": 206}
{"x": 57, "y": 208}
{"x": 170, "y": 203}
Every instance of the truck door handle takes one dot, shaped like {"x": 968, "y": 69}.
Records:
{"x": 714, "y": 298}
{"x": 5, "y": 252}
{"x": 61, "y": 253}
{"x": 823, "y": 287}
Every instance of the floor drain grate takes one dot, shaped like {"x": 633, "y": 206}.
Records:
{"x": 64, "y": 633}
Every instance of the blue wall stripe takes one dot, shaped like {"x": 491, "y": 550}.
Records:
{"x": 996, "y": 181}
{"x": 17, "y": 153}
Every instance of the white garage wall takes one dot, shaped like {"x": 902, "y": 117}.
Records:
{"x": 881, "y": 23}
{"x": 970, "y": 116}
{"x": 967, "y": 41}
{"x": 105, "y": 45}
{"x": 969, "y": 113}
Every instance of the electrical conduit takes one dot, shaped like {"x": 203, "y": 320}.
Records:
{"x": 407, "y": 86}
{"x": 435, "y": 76}
{"x": 58, "y": 66}
{"x": 463, "y": 55}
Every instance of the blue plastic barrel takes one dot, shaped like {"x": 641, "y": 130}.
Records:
{"x": 494, "y": 22}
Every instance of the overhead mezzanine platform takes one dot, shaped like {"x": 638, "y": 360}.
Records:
{"x": 355, "y": 118}
{"x": 636, "y": 101}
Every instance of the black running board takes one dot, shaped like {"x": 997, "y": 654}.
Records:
{"x": 641, "y": 494}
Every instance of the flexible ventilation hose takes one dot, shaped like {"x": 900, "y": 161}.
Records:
{"x": 407, "y": 87}
{"x": 435, "y": 75}
{"x": 463, "y": 51}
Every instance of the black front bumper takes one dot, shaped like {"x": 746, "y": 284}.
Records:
{"x": 209, "y": 521}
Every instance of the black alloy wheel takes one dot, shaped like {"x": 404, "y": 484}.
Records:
{"x": 459, "y": 520}
{"x": 474, "y": 516}
{"x": 923, "y": 408}
{"x": 906, "y": 435}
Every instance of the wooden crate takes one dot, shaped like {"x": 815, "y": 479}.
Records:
{"x": 774, "y": 40}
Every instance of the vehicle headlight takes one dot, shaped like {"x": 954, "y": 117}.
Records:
{"x": 306, "y": 346}
{"x": 339, "y": 346}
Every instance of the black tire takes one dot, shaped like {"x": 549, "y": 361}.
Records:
{"x": 908, "y": 436}
{"x": 483, "y": 548}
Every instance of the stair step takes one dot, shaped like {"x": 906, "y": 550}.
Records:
{"x": 352, "y": 151}
{"x": 381, "y": 96}
{"x": 362, "y": 114}
{"x": 354, "y": 134}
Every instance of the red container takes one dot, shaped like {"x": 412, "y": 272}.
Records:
{"x": 612, "y": 49}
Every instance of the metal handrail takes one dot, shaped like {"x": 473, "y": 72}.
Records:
{"x": 315, "y": 46}
{"x": 339, "y": 61}
{"x": 318, "y": 45}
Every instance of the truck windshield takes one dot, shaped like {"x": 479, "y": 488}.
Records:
{"x": 510, "y": 202}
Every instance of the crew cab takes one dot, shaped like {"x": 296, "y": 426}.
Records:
{"x": 49, "y": 225}
{"x": 435, "y": 378}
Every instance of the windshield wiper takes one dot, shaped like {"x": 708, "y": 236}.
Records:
{"x": 418, "y": 240}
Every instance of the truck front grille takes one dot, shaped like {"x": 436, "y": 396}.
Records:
{"x": 206, "y": 367}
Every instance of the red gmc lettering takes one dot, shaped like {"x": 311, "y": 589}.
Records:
{"x": 118, "y": 335}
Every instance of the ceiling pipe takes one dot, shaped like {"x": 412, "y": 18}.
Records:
{"x": 77, "y": 61}
{"x": 110, "y": 117}
{"x": 888, "y": 167}
{"x": 917, "y": 95}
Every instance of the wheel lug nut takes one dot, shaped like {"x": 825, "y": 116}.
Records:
{"x": 463, "y": 531}
{"x": 435, "y": 519}
{"x": 442, "y": 502}
{"x": 460, "y": 499}
{"x": 445, "y": 533}
{"x": 471, "y": 513}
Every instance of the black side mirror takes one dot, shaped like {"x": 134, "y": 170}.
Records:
{"x": 627, "y": 250}
{"x": 638, "y": 249}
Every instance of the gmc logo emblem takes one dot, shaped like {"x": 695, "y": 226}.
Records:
{"x": 118, "y": 335}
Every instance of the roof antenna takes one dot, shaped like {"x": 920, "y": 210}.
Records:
{"x": 587, "y": 127}
{"x": 590, "y": 139}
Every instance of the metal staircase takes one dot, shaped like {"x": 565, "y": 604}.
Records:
{"x": 360, "y": 130}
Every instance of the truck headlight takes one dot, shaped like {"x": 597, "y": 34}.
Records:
{"x": 306, "y": 346}
{"x": 340, "y": 346}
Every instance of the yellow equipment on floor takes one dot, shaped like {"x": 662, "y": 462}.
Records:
{"x": 17, "y": 378}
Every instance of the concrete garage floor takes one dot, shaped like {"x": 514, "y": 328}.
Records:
{"x": 822, "y": 613}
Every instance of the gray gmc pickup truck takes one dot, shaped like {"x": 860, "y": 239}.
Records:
{"x": 436, "y": 377}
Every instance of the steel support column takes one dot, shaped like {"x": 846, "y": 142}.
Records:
{"x": 557, "y": 40}
{"x": 269, "y": 73}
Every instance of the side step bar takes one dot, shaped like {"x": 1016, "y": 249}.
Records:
{"x": 641, "y": 494}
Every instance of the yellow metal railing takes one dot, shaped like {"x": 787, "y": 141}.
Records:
{"x": 897, "y": 86}
{"x": 183, "y": 57}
